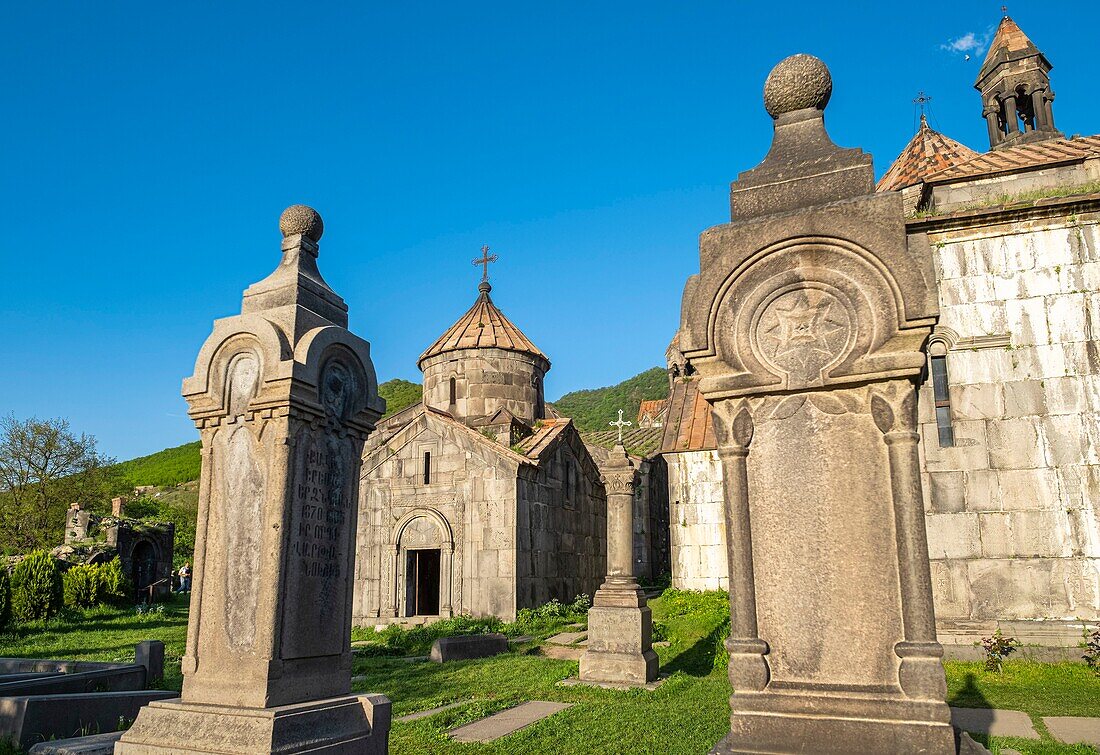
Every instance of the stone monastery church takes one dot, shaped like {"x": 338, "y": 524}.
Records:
{"x": 477, "y": 500}
{"x": 1010, "y": 409}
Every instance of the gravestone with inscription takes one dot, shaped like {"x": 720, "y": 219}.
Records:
{"x": 806, "y": 325}
{"x": 284, "y": 397}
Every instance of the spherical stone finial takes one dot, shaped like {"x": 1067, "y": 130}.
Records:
{"x": 484, "y": 287}
{"x": 798, "y": 82}
{"x": 301, "y": 219}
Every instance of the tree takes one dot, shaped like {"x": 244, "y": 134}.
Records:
{"x": 43, "y": 468}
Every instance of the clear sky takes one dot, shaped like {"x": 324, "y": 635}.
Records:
{"x": 150, "y": 147}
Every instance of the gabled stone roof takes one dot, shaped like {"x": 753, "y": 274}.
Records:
{"x": 927, "y": 153}
{"x": 483, "y": 327}
{"x": 1024, "y": 157}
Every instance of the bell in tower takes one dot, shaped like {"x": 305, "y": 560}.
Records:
{"x": 1017, "y": 101}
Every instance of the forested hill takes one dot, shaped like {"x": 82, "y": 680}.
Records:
{"x": 590, "y": 409}
{"x": 593, "y": 409}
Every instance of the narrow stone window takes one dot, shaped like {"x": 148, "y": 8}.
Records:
{"x": 454, "y": 391}
{"x": 427, "y": 467}
{"x": 942, "y": 395}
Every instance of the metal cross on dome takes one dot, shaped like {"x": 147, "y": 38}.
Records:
{"x": 486, "y": 258}
{"x": 620, "y": 425}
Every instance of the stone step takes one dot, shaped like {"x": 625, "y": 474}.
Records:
{"x": 1074, "y": 729}
{"x": 507, "y": 721}
{"x": 562, "y": 652}
{"x": 567, "y": 638}
{"x": 997, "y": 723}
{"x": 430, "y": 711}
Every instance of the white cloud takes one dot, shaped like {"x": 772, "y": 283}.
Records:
{"x": 969, "y": 44}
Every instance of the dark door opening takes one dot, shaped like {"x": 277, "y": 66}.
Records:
{"x": 422, "y": 582}
{"x": 143, "y": 561}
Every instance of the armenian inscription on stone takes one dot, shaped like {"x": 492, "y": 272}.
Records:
{"x": 318, "y": 542}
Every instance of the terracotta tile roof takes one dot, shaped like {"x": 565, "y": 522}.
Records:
{"x": 483, "y": 327}
{"x": 688, "y": 426}
{"x": 1025, "y": 157}
{"x": 928, "y": 152}
{"x": 651, "y": 409}
{"x": 638, "y": 441}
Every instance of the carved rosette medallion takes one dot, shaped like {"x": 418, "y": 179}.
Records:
{"x": 799, "y": 332}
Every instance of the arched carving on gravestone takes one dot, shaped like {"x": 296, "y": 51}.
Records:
{"x": 242, "y": 381}
{"x": 805, "y": 312}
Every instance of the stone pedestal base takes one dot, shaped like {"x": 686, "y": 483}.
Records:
{"x": 620, "y": 648}
{"x": 344, "y": 725}
{"x": 771, "y": 723}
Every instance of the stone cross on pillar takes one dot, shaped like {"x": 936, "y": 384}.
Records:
{"x": 620, "y": 425}
{"x": 284, "y": 397}
{"x": 620, "y": 624}
{"x": 806, "y": 324}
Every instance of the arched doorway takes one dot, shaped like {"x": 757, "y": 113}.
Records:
{"x": 143, "y": 566}
{"x": 423, "y": 565}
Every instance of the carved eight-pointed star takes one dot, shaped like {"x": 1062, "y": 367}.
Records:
{"x": 806, "y": 329}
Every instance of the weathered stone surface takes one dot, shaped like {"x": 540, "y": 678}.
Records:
{"x": 284, "y": 397}
{"x": 469, "y": 646}
{"x": 1074, "y": 729}
{"x": 150, "y": 654}
{"x": 96, "y": 744}
{"x": 507, "y": 721}
{"x": 29, "y": 719}
{"x": 118, "y": 678}
{"x": 997, "y": 723}
{"x": 806, "y": 325}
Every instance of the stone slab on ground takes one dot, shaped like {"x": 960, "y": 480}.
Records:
{"x": 567, "y": 638}
{"x": 96, "y": 744}
{"x": 466, "y": 647}
{"x": 521, "y": 639}
{"x": 429, "y": 712}
{"x": 507, "y": 721}
{"x": 1074, "y": 729}
{"x": 575, "y": 682}
{"x": 997, "y": 723}
{"x": 562, "y": 652}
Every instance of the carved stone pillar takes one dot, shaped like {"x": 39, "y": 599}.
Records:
{"x": 993, "y": 124}
{"x": 806, "y": 325}
{"x": 284, "y": 397}
{"x": 620, "y": 624}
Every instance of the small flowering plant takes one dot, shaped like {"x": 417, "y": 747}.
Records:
{"x": 997, "y": 648}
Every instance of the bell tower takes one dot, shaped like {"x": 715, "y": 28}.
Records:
{"x": 1017, "y": 101}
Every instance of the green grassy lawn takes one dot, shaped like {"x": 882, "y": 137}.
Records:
{"x": 687, "y": 714}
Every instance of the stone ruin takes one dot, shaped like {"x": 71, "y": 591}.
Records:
{"x": 144, "y": 549}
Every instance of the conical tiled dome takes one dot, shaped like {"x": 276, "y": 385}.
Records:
{"x": 928, "y": 152}
{"x": 483, "y": 327}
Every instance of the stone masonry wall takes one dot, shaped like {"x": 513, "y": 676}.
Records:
{"x": 562, "y": 534}
{"x": 472, "y": 489}
{"x": 486, "y": 380}
{"x": 1013, "y": 521}
{"x": 697, "y": 535}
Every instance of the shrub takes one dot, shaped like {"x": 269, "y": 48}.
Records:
{"x": 1092, "y": 649}
{"x": 82, "y": 584}
{"x": 36, "y": 587}
{"x": 5, "y": 597}
{"x": 997, "y": 648}
{"x": 114, "y": 585}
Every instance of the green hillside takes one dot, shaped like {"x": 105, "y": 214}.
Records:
{"x": 593, "y": 409}
{"x": 168, "y": 467}
{"x": 399, "y": 394}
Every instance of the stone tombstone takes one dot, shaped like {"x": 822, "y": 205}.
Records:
{"x": 806, "y": 325}
{"x": 284, "y": 397}
{"x": 620, "y": 624}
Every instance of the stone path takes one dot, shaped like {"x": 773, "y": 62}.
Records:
{"x": 568, "y": 638}
{"x": 507, "y": 721}
{"x": 429, "y": 712}
{"x": 998, "y": 723}
{"x": 562, "y": 652}
{"x": 1074, "y": 729}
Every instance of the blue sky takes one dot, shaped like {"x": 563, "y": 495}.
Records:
{"x": 152, "y": 146}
